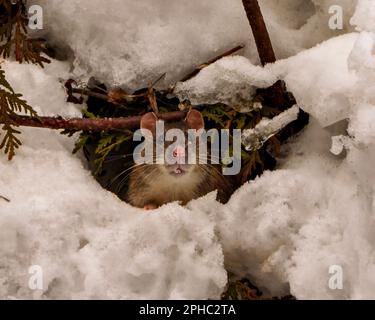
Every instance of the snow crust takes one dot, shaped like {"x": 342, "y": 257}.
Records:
{"x": 133, "y": 42}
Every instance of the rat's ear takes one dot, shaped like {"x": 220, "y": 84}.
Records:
{"x": 194, "y": 120}
{"x": 148, "y": 121}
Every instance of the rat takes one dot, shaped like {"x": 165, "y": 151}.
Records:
{"x": 153, "y": 185}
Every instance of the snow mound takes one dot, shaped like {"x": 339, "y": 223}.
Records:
{"x": 132, "y": 43}
{"x": 320, "y": 87}
{"x": 231, "y": 80}
{"x": 89, "y": 243}
{"x": 364, "y": 17}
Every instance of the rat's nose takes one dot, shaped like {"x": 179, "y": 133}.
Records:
{"x": 179, "y": 153}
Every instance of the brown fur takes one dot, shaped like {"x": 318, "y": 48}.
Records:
{"x": 151, "y": 186}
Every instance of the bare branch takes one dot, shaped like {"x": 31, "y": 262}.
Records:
{"x": 94, "y": 125}
{"x": 264, "y": 45}
{"x": 204, "y": 65}
{"x": 261, "y": 36}
{"x": 5, "y": 199}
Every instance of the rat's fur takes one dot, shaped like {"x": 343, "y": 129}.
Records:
{"x": 153, "y": 185}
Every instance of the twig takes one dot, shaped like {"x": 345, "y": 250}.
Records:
{"x": 204, "y": 65}
{"x": 264, "y": 46}
{"x": 152, "y": 96}
{"x": 89, "y": 93}
{"x": 94, "y": 125}
{"x": 115, "y": 96}
{"x": 152, "y": 100}
{"x": 261, "y": 36}
{"x": 5, "y": 199}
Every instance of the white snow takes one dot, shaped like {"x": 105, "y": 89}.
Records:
{"x": 319, "y": 87}
{"x": 254, "y": 139}
{"x": 284, "y": 230}
{"x": 132, "y": 42}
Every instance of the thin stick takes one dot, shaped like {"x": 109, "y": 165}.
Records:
{"x": 264, "y": 46}
{"x": 89, "y": 93}
{"x": 204, "y": 65}
{"x": 260, "y": 32}
{"x": 94, "y": 125}
{"x": 5, "y": 199}
{"x": 105, "y": 96}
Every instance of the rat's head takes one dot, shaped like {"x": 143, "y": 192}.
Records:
{"x": 175, "y": 151}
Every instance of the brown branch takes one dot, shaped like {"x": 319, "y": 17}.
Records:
{"x": 94, "y": 125}
{"x": 5, "y": 199}
{"x": 261, "y": 36}
{"x": 116, "y": 96}
{"x": 204, "y": 65}
{"x": 264, "y": 46}
{"x": 89, "y": 93}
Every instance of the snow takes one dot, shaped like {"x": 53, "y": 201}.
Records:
{"x": 320, "y": 89}
{"x": 56, "y": 205}
{"x": 231, "y": 80}
{"x": 132, "y": 43}
{"x": 364, "y": 17}
{"x": 283, "y": 231}
{"x": 254, "y": 139}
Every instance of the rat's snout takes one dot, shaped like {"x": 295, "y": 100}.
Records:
{"x": 178, "y": 166}
{"x": 179, "y": 154}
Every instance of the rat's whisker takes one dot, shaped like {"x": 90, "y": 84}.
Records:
{"x": 118, "y": 157}
{"x": 121, "y": 173}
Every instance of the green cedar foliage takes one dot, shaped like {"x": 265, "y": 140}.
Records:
{"x": 14, "y": 37}
{"x": 14, "y": 40}
{"x": 11, "y": 103}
